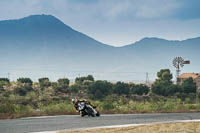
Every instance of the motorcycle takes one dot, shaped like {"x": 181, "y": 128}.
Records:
{"x": 86, "y": 109}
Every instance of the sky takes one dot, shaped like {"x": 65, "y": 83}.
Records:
{"x": 116, "y": 22}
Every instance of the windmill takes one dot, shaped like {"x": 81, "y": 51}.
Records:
{"x": 179, "y": 62}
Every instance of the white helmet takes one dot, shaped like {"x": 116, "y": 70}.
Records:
{"x": 73, "y": 100}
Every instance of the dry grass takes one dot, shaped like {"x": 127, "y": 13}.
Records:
{"x": 190, "y": 127}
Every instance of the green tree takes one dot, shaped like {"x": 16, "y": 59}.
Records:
{"x": 90, "y": 78}
{"x": 44, "y": 83}
{"x": 82, "y": 79}
{"x": 121, "y": 88}
{"x": 20, "y": 91}
{"x": 140, "y": 89}
{"x": 63, "y": 82}
{"x": 24, "y": 86}
{"x": 75, "y": 88}
{"x": 25, "y": 81}
{"x": 189, "y": 86}
{"x": 165, "y": 88}
{"x": 4, "y": 82}
{"x": 99, "y": 89}
{"x": 23, "y": 90}
{"x": 165, "y": 75}
{"x": 164, "y": 85}
{"x": 63, "y": 85}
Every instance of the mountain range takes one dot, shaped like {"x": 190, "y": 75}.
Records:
{"x": 43, "y": 46}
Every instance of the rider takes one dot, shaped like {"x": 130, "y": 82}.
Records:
{"x": 76, "y": 101}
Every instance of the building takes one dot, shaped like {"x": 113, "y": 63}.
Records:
{"x": 195, "y": 76}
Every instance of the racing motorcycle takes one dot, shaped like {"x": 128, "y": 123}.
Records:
{"x": 86, "y": 109}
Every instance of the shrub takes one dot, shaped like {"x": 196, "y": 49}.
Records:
{"x": 3, "y": 82}
{"x": 189, "y": 86}
{"x": 44, "y": 83}
{"x": 163, "y": 85}
{"x": 121, "y": 88}
{"x": 63, "y": 82}
{"x": 9, "y": 108}
{"x": 140, "y": 89}
{"x": 75, "y": 88}
{"x": 99, "y": 89}
{"x": 62, "y": 85}
{"x": 25, "y": 81}
{"x": 108, "y": 103}
{"x": 22, "y": 90}
{"x": 81, "y": 79}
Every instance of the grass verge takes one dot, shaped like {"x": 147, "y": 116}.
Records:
{"x": 185, "y": 127}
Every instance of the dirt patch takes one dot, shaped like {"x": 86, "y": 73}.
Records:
{"x": 189, "y": 127}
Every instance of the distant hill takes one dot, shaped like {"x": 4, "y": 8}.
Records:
{"x": 42, "y": 45}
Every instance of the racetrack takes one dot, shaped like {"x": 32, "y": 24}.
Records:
{"x": 53, "y": 123}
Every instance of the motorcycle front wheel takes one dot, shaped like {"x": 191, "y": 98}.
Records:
{"x": 97, "y": 114}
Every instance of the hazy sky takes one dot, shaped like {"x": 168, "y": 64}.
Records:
{"x": 116, "y": 22}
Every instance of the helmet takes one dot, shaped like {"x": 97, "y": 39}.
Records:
{"x": 73, "y": 100}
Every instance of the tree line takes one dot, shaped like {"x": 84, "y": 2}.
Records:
{"x": 94, "y": 89}
{"x": 99, "y": 89}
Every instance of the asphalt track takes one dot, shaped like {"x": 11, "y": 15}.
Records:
{"x": 70, "y": 122}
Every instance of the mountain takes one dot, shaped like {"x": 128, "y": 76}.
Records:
{"x": 43, "y": 41}
{"x": 156, "y": 53}
{"x": 42, "y": 45}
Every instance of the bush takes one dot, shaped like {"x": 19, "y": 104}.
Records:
{"x": 140, "y": 89}
{"x": 44, "y": 83}
{"x": 3, "y": 82}
{"x": 62, "y": 89}
{"x": 81, "y": 79}
{"x": 163, "y": 85}
{"x": 9, "y": 108}
{"x": 63, "y": 82}
{"x": 75, "y": 88}
{"x": 121, "y": 88}
{"x": 62, "y": 86}
{"x": 108, "y": 103}
{"x": 189, "y": 86}
{"x": 99, "y": 89}
{"x": 22, "y": 90}
{"x": 25, "y": 81}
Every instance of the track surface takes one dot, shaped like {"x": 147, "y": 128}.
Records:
{"x": 53, "y": 123}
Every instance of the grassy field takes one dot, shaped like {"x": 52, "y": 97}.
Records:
{"x": 190, "y": 127}
{"x": 109, "y": 105}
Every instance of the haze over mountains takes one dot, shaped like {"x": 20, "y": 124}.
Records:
{"x": 43, "y": 46}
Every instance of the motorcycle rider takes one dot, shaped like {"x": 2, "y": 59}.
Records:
{"x": 75, "y": 102}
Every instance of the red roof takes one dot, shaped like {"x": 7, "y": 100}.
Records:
{"x": 188, "y": 75}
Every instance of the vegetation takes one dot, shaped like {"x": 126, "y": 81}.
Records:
{"x": 44, "y": 83}
{"x": 4, "y": 82}
{"x": 164, "y": 85}
{"x": 189, "y": 86}
{"x": 25, "y": 97}
{"x": 99, "y": 89}
{"x": 25, "y": 81}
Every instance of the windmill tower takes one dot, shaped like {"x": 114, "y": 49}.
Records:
{"x": 179, "y": 62}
